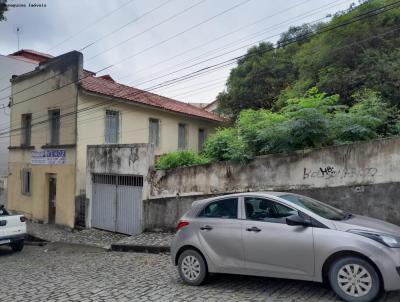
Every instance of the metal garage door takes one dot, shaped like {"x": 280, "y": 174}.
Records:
{"x": 117, "y": 203}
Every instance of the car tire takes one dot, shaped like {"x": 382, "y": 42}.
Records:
{"x": 192, "y": 268}
{"x": 17, "y": 246}
{"x": 354, "y": 279}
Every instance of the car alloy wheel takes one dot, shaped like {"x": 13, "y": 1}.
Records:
{"x": 191, "y": 267}
{"x": 354, "y": 280}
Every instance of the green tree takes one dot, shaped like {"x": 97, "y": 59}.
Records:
{"x": 342, "y": 61}
{"x": 257, "y": 80}
{"x": 3, "y": 9}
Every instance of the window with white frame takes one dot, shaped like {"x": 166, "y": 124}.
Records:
{"x": 26, "y": 129}
{"x": 54, "y": 118}
{"x": 182, "y": 136}
{"x": 26, "y": 180}
{"x": 111, "y": 127}
{"x": 154, "y": 132}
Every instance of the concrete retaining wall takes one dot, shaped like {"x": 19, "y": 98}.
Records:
{"x": 363, "y": 178}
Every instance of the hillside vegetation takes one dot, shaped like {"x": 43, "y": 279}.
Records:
{"x": 334, "y": 87}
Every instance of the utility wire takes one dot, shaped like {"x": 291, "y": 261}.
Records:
{"x": 154, "y": 45}
{"x": 228, "y": 62}
{"x": 179, "y": 34}
{"x": 192, "y": 74}
{"x": 53, "y": 76}
{"x": 125, "y": 25}
{"x": 90, "y": 25}
{"x": 228, "y": 34}
{"x": 147, "y": 29}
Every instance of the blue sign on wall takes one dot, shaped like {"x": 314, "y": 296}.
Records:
{"x": 48, "y": 157}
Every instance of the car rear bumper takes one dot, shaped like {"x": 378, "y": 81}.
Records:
{"x": 10, "y": 239}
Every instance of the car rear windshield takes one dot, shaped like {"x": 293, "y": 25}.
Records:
{"x": 315, "y": 206}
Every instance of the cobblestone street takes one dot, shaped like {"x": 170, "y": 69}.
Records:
{"x": 62, "y": 272}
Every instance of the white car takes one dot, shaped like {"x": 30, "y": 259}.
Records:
{"x": 12, "y": 230}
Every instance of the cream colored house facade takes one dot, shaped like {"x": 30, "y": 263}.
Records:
{"x": 59, "y": 109}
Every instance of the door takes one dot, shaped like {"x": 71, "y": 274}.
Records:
{"x": 273, "y": 248}
{"x": 219, "y": 231}
{"x": 52, "y": 198}
{"x": 104, "y": 200}
{"x": 117, "y": 203}
{"x": 129, "y": 205}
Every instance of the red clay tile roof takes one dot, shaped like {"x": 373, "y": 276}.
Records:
{"x": 107, "y": 77}
{"x": 32, "y": 55}
{"x": 109, "y": 88}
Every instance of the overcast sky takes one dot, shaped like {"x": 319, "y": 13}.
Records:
{"x": 143, "y": 52}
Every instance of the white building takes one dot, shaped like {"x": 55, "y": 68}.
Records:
{"x": 17, "y": 63}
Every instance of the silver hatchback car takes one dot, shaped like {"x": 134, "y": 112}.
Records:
{"x": 286, "y": 235}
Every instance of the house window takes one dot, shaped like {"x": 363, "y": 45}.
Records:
{"x": 54, "y": 117}
{"x": 112, "y": 127}
{"x": 26, "y": 129}
{"x": 154, "y": 132}
{"x": 26, "y": 179}
{"x": 202, "y": 139}
{"x": 182, "y": 143}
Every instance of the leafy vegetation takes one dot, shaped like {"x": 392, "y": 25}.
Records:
{"x": 3, "y": 9}
{"x": 335, "y": 87}
{"x": 180, "y": 159}
{"x": 315, "y": 120}
{"x": 312, "y": 121}
{"x": 363, "y": 54}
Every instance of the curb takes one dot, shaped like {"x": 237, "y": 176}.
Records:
{"x": 140, "y": 248}
{"x": 34, "y": 241}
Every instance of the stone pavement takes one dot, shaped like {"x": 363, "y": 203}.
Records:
{"x": 60, "y": 272}
{"x": 153, "y": 242}
{"x": 54, "y": 233}
{"x": 145, "y": 242}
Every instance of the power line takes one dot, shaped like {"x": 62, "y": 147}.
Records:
{"x": 53, "y": 76}
{"x": 154, "y": 45}
{"x": 179, "y": 34}
{"x": 228, "y": 62}
{"x": 197, "y": 72}
{"x": 225, "y": 35}
{"x": 91, "y": 25}
{"x": 125, "y": 25}
{"x": 148, "y": 29}
{"x": 327, "y": 28}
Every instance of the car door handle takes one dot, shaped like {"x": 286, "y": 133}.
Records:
{"x": 253, "y": 229}
{"x": 3, "y": 222}
{"x": 206, "y": 228}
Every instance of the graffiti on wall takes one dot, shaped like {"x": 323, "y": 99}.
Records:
{"x": 332, "y": 172}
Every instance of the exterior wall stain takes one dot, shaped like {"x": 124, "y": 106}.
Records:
{"x": 361, "y": 177}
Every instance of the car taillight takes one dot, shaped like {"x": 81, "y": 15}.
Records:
{"x": 22, "y": 219}
{"x": 182, "y": 224}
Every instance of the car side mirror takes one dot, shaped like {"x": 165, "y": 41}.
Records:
{"x": 297, "y": 220}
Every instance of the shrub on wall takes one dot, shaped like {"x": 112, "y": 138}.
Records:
{"x": 227, "y": 144}
{"x": 179, "y": 159}
{"x": 312, "y": 121}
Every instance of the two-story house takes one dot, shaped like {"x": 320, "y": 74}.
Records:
{"x": 58, "y": 109}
